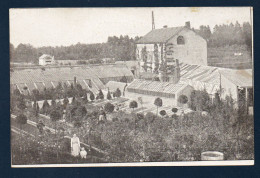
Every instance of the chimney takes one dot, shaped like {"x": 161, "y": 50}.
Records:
{"x": 187, "y": 24}
{"x": 165, "y": 26}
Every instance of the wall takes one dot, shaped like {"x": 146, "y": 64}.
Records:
{"x": 194, "y": 51}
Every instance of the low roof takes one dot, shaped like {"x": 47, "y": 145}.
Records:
{"x": 112, "y": 85}
{"x": 241, "y": 78}
{"x": 156, "y": 86}
{"x": 160, "y": 35}
{"x": 45, "y": 56}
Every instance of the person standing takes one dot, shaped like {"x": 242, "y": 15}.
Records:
{"x": 75, "y": 145}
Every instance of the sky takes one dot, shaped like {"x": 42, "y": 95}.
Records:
{"x": 68, "y": 26}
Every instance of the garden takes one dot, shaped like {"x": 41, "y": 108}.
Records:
{"x": 214, "y": 125}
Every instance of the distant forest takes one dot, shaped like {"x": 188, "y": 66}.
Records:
{"x": 123, "y": 47}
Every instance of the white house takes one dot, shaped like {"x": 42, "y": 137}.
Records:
{"x": 46, "y": 59}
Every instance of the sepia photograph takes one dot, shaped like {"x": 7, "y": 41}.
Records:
{"x": 160, "y": 86}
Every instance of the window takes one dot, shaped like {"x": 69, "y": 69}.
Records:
{"x": 180, "y": 40}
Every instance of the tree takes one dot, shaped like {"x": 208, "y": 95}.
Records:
{"x": 92, "y": 96}
{"x": 100, "y": 94}
{"x": 158, "y": 103}
{"x": 109, "y": 107}
{"x": 183, "y": 99}
{"x": 109, "y": 95}
{"x": 133, "y": 105}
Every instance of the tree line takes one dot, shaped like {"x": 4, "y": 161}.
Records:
{"x": 123, "y": 47}
{"x": 227, "y": 34}
{"x": 118, "y": 48}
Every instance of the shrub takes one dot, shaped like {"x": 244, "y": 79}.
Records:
{"x": 109, "y": 107}
{"x": 100, "y": 94}
{"x": 109, "y": 95}
{"x": 115, "y": 119}
{"x": 92, "y": 96}
{"x": 183, "y": 99}
{"x": 174, "y": 110}
{"x": 149, "y": 117}
{"x": 133, "y": 105}
{"x": 118, "y": 92}
{"x": 162, "y": 112}
{"x": 140, "y": 116}
{"x": 21, "y": 119}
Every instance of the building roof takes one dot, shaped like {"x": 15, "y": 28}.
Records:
{"x": 160, "y": 35}
{"x": 112, "y": 85}
{"x": 45, "y": 56}
{"x": 156, "y": 86}
{"x": 241, "y": 78}
{"x": 50, "y": 76}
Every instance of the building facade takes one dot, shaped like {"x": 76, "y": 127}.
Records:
{"x": 161, "y": 50}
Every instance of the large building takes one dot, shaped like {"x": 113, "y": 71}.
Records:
{"x": 158, "y": 50}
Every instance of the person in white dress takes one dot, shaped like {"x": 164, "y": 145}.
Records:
{"x": 75, "y": 145}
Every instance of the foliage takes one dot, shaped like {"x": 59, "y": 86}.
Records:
{"x": 183, "y": 99}
{"x": 119, "y": 48}
{"x": 162, "y": 112}
{"x": 21, "y": 119}
{"x": 200, "y": 100}
{"x": 100, "y": 94}
{"x": 133, "y": 104}
{"x": 158, "y": 103}
{"x": 123, "y": 79}
{"x": 117, "y": 93}
{"x": 109, "y": 107}
{"x": 55, "y": 115}
{"x": 92, "y": 96}
{"x": 174, "y": 110}
{"x": 109, "y": 97}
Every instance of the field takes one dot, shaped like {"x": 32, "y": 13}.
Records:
{"x": 230, "y": 57}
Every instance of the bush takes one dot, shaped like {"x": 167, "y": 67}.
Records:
{"x": 109, "y": 107}
{"x": 92, "y": 96}
{"x": 100, "y": 94}
{"x": 174, "y": 110}
{"x": 109, "y": 95}
{"x": 133, "y": 104}
{"x": 118, "y": 92}
{"x": 162, "y": 112}
{"x": 183, "y": 99}
{"x": 115, "y": 119}
{"x": 149, "y": 117}
{"x": 21, "y": 119}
